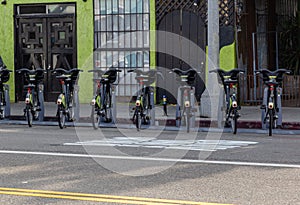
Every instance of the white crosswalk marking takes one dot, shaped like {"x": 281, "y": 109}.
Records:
{"x": 193, "y": 145}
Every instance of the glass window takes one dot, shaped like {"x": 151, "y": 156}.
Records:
{"x": 115, "y": 7}
{"x": 122, "y": 37}
{"x": 133, "y": 6}
{"x": 146, "y": 6}
{"x": 139, "y": 6}
{"x": 127, "y": 6}
{"x": 102, "y": 6}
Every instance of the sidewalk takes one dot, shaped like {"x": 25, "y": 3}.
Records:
{"x": 250, "y": 115}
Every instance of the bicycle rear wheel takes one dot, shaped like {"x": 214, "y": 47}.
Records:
{"x": 95, "y": 117}
{"x": 61, "y": 115}
{"x": 29, "y": 116}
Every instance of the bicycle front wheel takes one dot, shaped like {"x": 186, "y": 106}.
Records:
{"x": 61, "y": 115}
{"x": 187, "y": 118}
{"x": 95, "y": 117}
{"x": 234, "y": 121}
{"x": 29, "y": 116}
{"x": 107, "y": 107}
{"x": 138, "y": 120}
{"x": 271, "y": 121}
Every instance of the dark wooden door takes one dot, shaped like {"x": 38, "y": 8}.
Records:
{"x": 185, "y": 25}
{"x": 47, "y": 42}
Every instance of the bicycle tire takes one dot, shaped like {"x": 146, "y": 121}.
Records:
{"x": 146, "y": 110}
{"x": 29, "y": 115}
{"x": 271, "y": 122}
{"x": 234, "y": 121}
{"x": 107, "y": 108}
{"x": 138, "y": 119}
{"x": 95, "y": 117}
{"x": 61, "y": 116}
{"x": 2, "y": 115}
{"x": 187, "y": 119}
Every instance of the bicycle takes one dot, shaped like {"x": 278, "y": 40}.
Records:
{"x": 67, "y": 101}
{"x": 272, "y": 96}
{"x": 185, "y": 95}
{"x": 34, "y": 99}
{"x": 4, "y": 92}
{"x": 230, "y": 84}
{"x": 102, "y": 103}
{"x": 144, "y": 104}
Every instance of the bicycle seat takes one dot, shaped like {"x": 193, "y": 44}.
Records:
{"x": 107, "y": 76}
{"x": 187, "y": 76}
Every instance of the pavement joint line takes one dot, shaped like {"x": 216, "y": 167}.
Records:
{"x": 97, "y": 197}
{"x": 215, "y": 162}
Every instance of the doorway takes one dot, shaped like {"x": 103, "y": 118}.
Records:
{"x": 45, "y": 38}
{"x": 188, "y": 25}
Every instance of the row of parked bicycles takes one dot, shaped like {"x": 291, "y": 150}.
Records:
{"x": 102, "y": 102}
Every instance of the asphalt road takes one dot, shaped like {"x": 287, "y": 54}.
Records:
{"x": 153, "y": 166}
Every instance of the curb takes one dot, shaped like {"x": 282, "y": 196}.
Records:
{"x": 169, "y": 124}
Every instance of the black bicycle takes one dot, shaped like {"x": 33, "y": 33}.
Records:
{"x": 230, "y": 83}
{"x": 4, "y": 92}
{"x": 270, "y": 108}
{"x": 34, "y": 99}
{"x": 102, "y": 104}
{"x": 186, "y": 94}
{"x": 67, "y": 101}
{"x": 145, "y": 97}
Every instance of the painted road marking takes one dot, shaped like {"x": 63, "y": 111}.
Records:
{"x": 191, "y": 145}
{"x": 96, "y": 197}
{"x": 237, "y": 163}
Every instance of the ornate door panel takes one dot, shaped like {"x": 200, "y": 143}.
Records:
{"x": 47, "y": 42}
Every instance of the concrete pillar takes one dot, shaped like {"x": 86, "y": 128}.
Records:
{"x": 210, "y": 98}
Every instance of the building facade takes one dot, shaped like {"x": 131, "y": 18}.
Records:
{"x": 101, "y": 34}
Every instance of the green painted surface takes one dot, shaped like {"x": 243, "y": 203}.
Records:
{"x": 85, "y": 33}
{"x": 228, "y": 57}
{"x": 152, "y": 34}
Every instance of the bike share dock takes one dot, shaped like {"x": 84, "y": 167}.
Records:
{"x": 250, "y": 116}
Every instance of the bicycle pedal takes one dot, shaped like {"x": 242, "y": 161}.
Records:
{"x": 263, "y": 107}
{"x": 38, "y": 109}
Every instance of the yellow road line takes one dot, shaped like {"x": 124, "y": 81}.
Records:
{"x": 96, "y": 197}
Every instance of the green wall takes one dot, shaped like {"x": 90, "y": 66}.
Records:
{"x": 85, "y": 36}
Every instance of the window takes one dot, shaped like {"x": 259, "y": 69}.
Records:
{"x": 122, "y": 35}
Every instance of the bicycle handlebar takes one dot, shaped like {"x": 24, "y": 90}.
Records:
{"x": 278, "y": 74}
{"x": 31, "y": 72}
{"x": 64, "y": 71}
{"x": 103, "y": 71}
{"x": 184, "y": 72}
